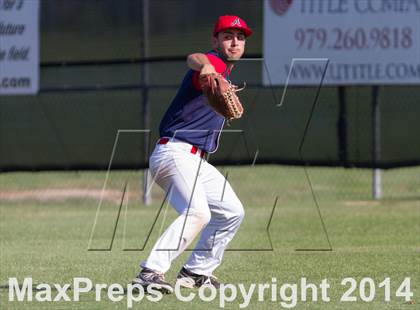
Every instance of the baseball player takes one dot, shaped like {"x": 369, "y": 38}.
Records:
{"x": 200, "y": 194}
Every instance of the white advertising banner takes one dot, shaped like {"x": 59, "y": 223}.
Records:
{"x": 342, "y": 42}
{"x": 19, "y": 47}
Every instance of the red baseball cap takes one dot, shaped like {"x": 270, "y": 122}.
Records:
{"x": 231, "y": 22}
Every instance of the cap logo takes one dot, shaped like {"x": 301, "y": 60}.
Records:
{"x": 236, "y": 22}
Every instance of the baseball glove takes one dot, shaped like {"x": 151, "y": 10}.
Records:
{"x": 221, "y": 95}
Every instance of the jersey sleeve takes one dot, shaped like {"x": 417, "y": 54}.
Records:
{"x": 218, "y": 65}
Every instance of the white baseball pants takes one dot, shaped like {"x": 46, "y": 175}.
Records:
{"x": 205, "y": 202}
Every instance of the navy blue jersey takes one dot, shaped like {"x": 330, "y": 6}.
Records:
{"x": 189, "y": 117}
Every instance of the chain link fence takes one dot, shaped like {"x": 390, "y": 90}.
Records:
{"x": 95, "y": 80}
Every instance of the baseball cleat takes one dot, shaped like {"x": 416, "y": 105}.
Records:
{"x": 148, "y": 277}
{"x": 190, "y": 279}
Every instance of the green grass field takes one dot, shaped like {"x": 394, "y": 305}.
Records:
{"x": 46, "y": 221}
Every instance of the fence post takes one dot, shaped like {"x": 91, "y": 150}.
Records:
{"x": 342, "y": 126}
{"x": 376, "y": 143}
{"x": 147, "y": 196}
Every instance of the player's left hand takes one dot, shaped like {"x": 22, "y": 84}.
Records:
{"x": 221, "y": 95}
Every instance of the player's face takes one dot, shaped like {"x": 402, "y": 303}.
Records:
{"x": 230, "y": 44}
